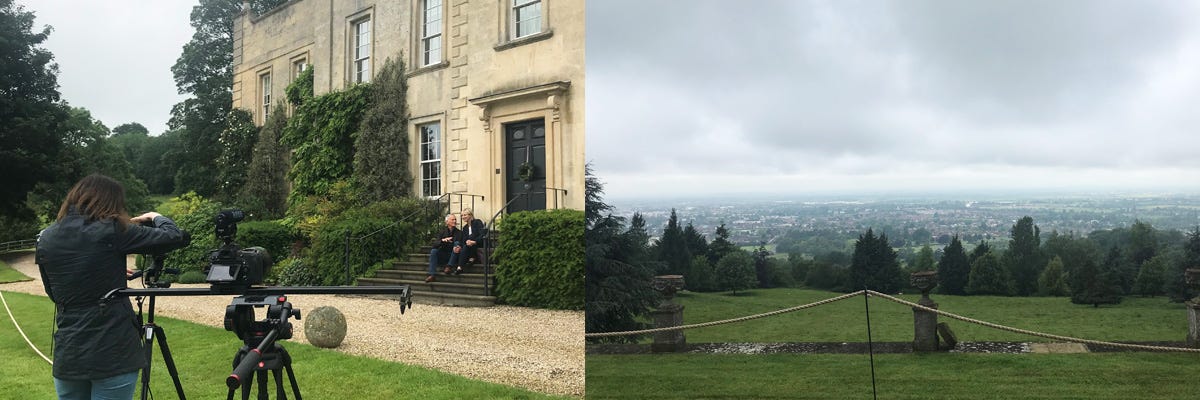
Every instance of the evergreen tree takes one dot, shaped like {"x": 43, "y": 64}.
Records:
{"x": 1053, "y": 281}
{"x": 266, "y": 187}
{"x": 697, "y": 245}
{"x": 1143, "y": 243}
{"x": 618, "y": 271}
{"x": 381, "y": 148}
{"x": 954, "y": 270}
{"x": 1024, "y": 257}
{"x": 874, "y": 266}
{"x": 672, "y": 250}
{"x": 762, "y": 267}
{"x": 979, "y": 250}
{"x": 826, "y": 276}
{"x": 721, "y": 246}
{"x": 735, "y": 272}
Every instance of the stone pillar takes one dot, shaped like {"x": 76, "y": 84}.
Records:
{"x": 1193, "y": 316}
{"x": 668, "y": 315}
{"x": 1191, "y": 277}
{"x": 924, "y": 322}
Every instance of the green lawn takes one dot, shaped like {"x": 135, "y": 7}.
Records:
{"x": 907, "y": 376}
{"x": 898, "y": 376}
{"x": 1135, "y": 319}
{"x": 8, "y": 275}
{"x": 204, "y": 356}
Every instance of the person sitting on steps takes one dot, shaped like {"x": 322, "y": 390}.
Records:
{"x": 470, "y": 235}
{"x": 443, "y": 247}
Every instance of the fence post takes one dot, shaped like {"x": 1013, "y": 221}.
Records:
{"x": 346, "y": 258}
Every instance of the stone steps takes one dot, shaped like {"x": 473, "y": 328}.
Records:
{"x": 466, "y": 289}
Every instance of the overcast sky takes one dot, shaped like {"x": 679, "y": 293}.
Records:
{"x": 793, "y": 97}
{"x": 115, "y": 56}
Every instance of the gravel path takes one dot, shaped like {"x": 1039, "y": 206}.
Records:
{"x": 541, "y": 350}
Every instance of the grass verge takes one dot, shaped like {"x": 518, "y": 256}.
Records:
{"x": 204, "y": 357}
{"x": 9, "y": 275}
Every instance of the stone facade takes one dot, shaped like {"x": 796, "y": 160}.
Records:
{"x": 505, "y": 108}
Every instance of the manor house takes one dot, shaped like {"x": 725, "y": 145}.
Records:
{"x": 495, "y": 87}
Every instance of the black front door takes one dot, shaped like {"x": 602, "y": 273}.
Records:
{"x": 526, "y": 159}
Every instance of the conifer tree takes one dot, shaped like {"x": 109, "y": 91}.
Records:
{"x": 672, "y": 249}
{"x": 697, "y": 245}
{"x": 721, "y": 246}
{"x": 1023, "y": 257}
{"x": 953, "y": 269}
{"x": 1052, "y": 281}
{"x": 381, "y": 148}
{"x": 618, "y": 271}
{"x": 1175, "y": 286}
{"x": 266, "y": 183}
{"x": 1096, "y": 284}
{"x": 874, "y": 265}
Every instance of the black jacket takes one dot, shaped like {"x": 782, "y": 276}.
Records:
{"x": 451, "y": 233}
{"x": 472, "y": 231}
{"x": 79, "y": 262}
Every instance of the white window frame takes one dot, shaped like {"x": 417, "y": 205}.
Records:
{"x": 436, "y": 163}
{"x": 299, "y": 65}
{"x": 360, "y": 52}
{"x": 264, "y": 89}
{"x": 514, "y": 24}
{"x": 432, "y": 56}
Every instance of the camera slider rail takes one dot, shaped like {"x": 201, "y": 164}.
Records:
{"x": 404, "y": 292}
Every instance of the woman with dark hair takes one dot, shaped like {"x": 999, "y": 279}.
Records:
{"x": 97, "y": 348}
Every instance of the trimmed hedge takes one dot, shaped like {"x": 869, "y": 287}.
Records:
{"x": 540, "y": 259}
{"x": 411, "y": 230}
{"x": 270, "y": 235}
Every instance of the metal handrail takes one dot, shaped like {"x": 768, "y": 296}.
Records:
{"x": 450, "y": 203}
{"x": 487, "y": 264}
{"x": 557, "y": 191}
{"x": 346, "y": 246}
{"x": 17, "y": 245}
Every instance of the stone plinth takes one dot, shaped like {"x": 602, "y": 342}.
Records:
{"x": 925, "y": 335}
{"x": 668, "y": 315}
{"x": 1193, "y": 316}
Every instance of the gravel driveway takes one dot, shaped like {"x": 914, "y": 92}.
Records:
{"x": 540, "y": 350}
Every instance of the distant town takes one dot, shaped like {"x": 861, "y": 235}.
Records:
{"x": 754, "y": 222}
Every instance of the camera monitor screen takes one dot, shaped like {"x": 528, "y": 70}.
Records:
{"x": 218, "y": 273}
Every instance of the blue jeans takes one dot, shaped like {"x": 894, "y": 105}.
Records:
{"x": 119, "y": 387}
{"x": 436, "y": 256}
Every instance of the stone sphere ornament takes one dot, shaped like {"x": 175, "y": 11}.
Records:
{"x": 325, "y": 327}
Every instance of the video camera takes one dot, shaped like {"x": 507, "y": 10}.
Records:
{"x": 232, "y": 269}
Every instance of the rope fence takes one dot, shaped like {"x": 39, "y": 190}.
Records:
{"x": 870, "y": 293}
{"x": 22, "y": 331}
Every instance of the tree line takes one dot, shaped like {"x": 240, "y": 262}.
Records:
{"x": 1099, "y": 268}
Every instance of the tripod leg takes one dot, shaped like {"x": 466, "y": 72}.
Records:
{"x": 278, "y": 376}
{"x": 286, "y": 362}
{"x": 170, "y": 361}
{"x": 263, "y": 394}
{"x": 148, "y": 347}
{"x": 246, "y": 386}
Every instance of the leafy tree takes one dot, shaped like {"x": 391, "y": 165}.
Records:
{"x": 205, "y": 70}
{"x": 672, "y": 250}
{"x": 321, "y": 132}
{"x": 924, "y": 261}
{"x": 266, "y": 187}
{"x": 618, "y": 270}
{"x": 874, "y": 265}
{"x": 988, "y": 276}
{"x": 702, "y": 276}
{"x": 1175, "y": 286}
{"x": 237, "y": 152}
{"x": 1143, "y": 243}
{"x": 799, "y": 267}
{"x": 130, "y": 128}
{"x": 735, "y": 272}
{"x": 827, "y": 276}
{"x": 721, "y": 246}
{"x": 381, "y": 155}
{"x": 1151, "y": 276}
{"x": 1096, "y": 284}
{"x": 1023, "y": 257}
{"x": 1052, "y": 281}
{"x": 29, "y": 111}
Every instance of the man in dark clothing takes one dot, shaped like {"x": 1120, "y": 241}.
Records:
{"x": 97, "y": 348}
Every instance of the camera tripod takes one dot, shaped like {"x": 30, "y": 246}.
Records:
{"x": 261, "y": 353}
{"x": 150, "y": 331}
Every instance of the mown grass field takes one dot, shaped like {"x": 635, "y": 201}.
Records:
{"x": 204, "y": 355}
{"x": 7, "y": 274}
{"x": 907, "y": 376}
{"x": 1135, "y": 319}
